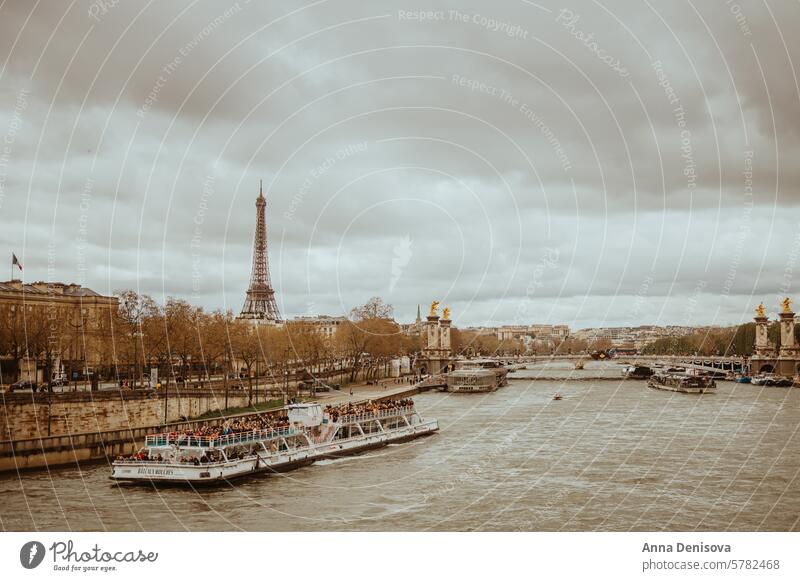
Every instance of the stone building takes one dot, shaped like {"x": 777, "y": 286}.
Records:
{"x": 326, "y": 325}
{"x": 54, "y": 328}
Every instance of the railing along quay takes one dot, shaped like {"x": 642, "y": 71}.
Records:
{"x": 40, "y": 397}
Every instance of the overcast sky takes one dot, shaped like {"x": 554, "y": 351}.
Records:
{"x": 587, "y": 163}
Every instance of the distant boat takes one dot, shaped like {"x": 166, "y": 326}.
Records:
{"x": 681, "y": 383}
{"x": 771, "y": 380}
{"x": 637, "y": 372}
{"x": 579, "y": 365}
{"x": 742, "y": 379}
{"x": 557, "y": 397}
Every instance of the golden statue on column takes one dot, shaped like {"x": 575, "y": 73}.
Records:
{"x": 760, "y": 312}
{"x": 446, "y": 314}
{"x": 787, "y": 305}
{"x": 434, "y": 309}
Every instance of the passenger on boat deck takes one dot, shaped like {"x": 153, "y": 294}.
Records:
{"x": 334, "y": 412}
{"x": 236, "y": 426}
{"x": 210, "y": 431}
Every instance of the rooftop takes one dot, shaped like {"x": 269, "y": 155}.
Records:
{"x": 47, "y": 288}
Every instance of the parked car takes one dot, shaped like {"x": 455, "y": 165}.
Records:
{"x": 23, "y": 385}
{"x": 58, "y": 382}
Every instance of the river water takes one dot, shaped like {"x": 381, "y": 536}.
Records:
{"x": 610, "y": 456}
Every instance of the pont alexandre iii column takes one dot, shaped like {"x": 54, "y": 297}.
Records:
{"x": 432, "y": 332}
{"x": 762, "y": 346}
{"x": 788, "y": 343}
{"x": 444, "y": 335}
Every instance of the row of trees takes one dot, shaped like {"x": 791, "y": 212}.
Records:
{"x": 185, "y": 341}
{"x": 178, "y": 334}
{"x": 739, "y": 340}
{"x": 36, "y": 334}
{"x": 481, "y": 344}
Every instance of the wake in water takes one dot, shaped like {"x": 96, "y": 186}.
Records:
{"x": 329, "y": 461}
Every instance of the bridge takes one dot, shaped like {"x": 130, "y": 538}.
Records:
{"x": 705, "y": 363}
{"x": 722, "y": 364}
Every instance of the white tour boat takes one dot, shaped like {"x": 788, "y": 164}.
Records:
{"x": 311, "y": 435}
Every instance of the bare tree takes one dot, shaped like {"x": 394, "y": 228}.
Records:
{"x": 133, "y": 309}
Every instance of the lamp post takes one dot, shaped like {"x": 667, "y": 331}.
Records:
{"x": 138, "y": 335}
{"x": 76, "y": 327}
{"x": 225, "y": 376}
{"x": 286, "y": 376}
{"x": 257, "y": 371}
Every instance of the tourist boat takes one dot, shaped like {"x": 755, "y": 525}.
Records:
{"x": 310, "y": 436}
{"x": 579, "y": 365}
{"x": 558, "y": 397}
{"x": 742, "y": 379}
{"x": 472, "y": 381}
{"x": 477, "y": 375}
{"x": 771, "y": 380}
{"x": 682, "y": 383}
{"x": 636, "y": 372}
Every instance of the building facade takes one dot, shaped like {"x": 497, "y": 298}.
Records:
{"x": 326, "y": 325}
{"x": 53, "y": 328}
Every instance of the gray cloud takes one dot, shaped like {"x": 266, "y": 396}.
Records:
{"x": 135, "y": 134}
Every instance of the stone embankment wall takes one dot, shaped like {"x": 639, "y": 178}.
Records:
{"x": 25, "y": 415}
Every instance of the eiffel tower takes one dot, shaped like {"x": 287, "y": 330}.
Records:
{"x": 260, "y": 304}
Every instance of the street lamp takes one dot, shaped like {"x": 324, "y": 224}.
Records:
{"x": 286, "y": 353}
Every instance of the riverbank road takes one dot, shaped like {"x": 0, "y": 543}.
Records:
{"x": 362, "y": 391}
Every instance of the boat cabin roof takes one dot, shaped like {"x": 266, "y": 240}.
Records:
{"x": 472, "y": 372}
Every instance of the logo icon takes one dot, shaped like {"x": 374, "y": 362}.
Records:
{"x": 31, "y": 554}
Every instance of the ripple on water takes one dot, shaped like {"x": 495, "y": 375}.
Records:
{"x": 610, "y": 456}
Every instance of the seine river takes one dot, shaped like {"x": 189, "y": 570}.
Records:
{"x": 610, "y": 456}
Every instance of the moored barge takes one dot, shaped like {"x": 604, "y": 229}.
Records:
{"x": 477, "y": 376}
{"x": 682, "y": 383}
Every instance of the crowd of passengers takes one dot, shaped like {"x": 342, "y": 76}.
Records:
{"x": 249, "y": 424}
{"x": 240, "y": 425}
{"x": 237, "y": 426}
{"x": 350, "y": 409}
{"x": 212, "y": 431}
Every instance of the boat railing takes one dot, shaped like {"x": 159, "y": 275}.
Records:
{"x": 412, "y": 422}
{"x": 217, "y": 441}
{"x": 351, "y": 418}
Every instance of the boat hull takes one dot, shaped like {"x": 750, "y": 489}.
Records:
{"x": 679, "y": 389}
{"x": 449, "y": 389}
{"x": 681, "y": 385}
